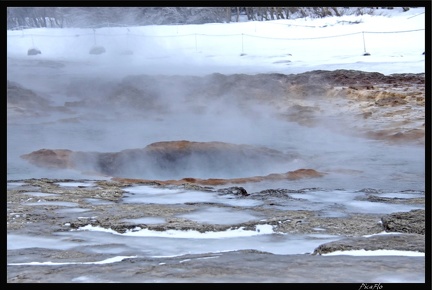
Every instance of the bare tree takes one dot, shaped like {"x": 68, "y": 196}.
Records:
{"x": 250, "y": 13}
{"x": 237, "y": 14}
{"x": 107, "y": 16}
{"x": 228, "y": 14}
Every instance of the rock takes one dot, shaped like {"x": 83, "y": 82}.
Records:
{"x": 33, "y": 51}
{"x": 236, "y": 190}
{"x": 24, "y": 102}
{"x": 50, "y": 158}
{"x": 405, "y": 222}
{"x": 110, "y": 212}
{"x": 395, "y": 200}
{"x": 290, "y": 175}
{"x": 391, "y": 100}
{"x": 176, "y": 159}
{"x": 105, "y": 202}
{"x": 20, "y": 96}
{"x": 242, "y": 266}
{"x": 379, "y": 100}
{"x": 279, "y": 192}
{"x": 400, "y": 242}
{"x": 97, "y": 50}
{"x": 294, "y": 96}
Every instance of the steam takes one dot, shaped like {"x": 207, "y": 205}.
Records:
{"x": 107, "y": 110}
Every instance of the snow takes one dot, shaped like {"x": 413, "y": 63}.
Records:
{"x": 40, "y": 194}
{"x": 382, "y": 233}
{"x": 75, "y": 184}
{"x": 381, "y": 252}
{"x": 106, "y": 261}
{"x": 121, "y": 258}
{"x": 240, "y": 232}
{"x": 376, "y": 253}
{"x": 394, "y": 39}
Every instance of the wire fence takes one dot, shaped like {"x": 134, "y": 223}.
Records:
{"x": 197, "y": 37}
{"x": 204, "y": 34}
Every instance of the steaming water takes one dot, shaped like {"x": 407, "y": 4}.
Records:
{"x": 350, "y": 164}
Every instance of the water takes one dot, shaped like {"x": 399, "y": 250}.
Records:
{"x": 350, "y": 164}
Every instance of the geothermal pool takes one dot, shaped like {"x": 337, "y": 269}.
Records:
{"x": 361, "y": 176}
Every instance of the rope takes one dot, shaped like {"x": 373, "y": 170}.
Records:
{"x": 415, "y": 15}
{"x": 195, "y": 35}
{"x": 302, "y": 38}
{"x": 216, "y": 35}
{"x": 395, "y": 31}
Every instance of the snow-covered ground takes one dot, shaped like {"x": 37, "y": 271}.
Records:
{"x": 394, "y": 39}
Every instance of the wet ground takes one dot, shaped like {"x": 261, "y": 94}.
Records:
{"x": 105, "y": 231}
{"x": 231, "y": 267}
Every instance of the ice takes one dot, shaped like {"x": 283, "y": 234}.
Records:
{"x": 379, "y": 207}
{"x": 174, "y": 243}
{"x": 148, "y": 194}
{"x": 106, "y": 261}
{"x": 401, "y": 195}
{"x": 146, "y": 220}
{"x": 213, "y": 215}
{"x": 71, "y": 210}
{"x": 13, "y": 185}
{"x": 96, "y": 201}
{"x": 142, "y": 189}
{"x": 54, "y": 203}
{"x": 322, "y": 200}
{"x": 40, "y": 194}
{"x": 76, "y": 184}
{"x": 16, "y": 242}
{"x": 376, "y": 253}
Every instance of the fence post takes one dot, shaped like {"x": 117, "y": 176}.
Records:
{"x": 94, "y": 35}
{"x": 242, "y": 44}
{"x": 242, "y": 49}
{"x": 364, "y": 46}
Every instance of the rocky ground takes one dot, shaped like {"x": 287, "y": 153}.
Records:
{"x": 408, "y": 230}
{"x": 388, "y": 108}
{"x": 382, "y": 107}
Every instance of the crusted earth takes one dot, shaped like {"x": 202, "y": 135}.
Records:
{"x": 382, "y": 107}
{"x": 356, "y": 231}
